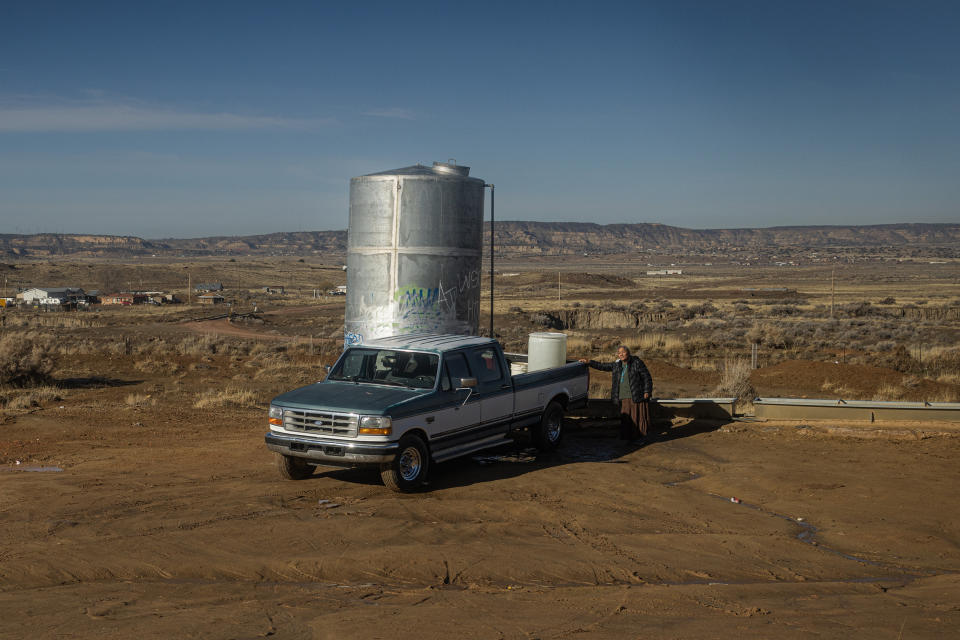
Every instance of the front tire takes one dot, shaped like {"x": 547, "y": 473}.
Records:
{"x": 291, "y": 468}
{"x": 547, "y": 434}
{"x": 408, "y": 470}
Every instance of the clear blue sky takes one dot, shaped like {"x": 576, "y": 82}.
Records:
{"x": 184, "y": 119}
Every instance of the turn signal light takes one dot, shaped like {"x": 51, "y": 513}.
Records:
{"x": 375, "y": 431}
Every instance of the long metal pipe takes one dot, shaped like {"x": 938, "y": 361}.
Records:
{"x": 492, "y": 189}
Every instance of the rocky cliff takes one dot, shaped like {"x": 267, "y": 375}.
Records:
{"x": 524, "y": 238}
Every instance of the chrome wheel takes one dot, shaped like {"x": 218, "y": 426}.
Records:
{"x": 409, "y": 465}
{"x": 547, "y": 434}
{"x": 408, "y": 470}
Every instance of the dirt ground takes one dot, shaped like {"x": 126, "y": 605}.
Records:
{"x": 129, "y": 508}
{"x": 166, "y": 521}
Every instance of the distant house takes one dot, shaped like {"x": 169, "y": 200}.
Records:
{"x": 52, "y": 295}
{"x": 123, "y": 298}
{"x": 209, "y": 286}
{"x": 210, "y": 298}
{"x": 665, "y": 272}
{"x": 273, "y": 289}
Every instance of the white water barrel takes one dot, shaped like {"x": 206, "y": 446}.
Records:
{"x": 546, "y": 350}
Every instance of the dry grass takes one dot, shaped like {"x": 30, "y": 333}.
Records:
{"x": 156, "y": 365}
{"x": 28, "y": 398}
{"x": 735, "y": 380}
{"x": 887, "y": 391}
{"x": 838, "y": 389}
{"x": 658, "y": 340}
{"x": 139, "y": 400}
{"x": 232, "y": 395}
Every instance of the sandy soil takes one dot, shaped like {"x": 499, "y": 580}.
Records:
{"x": 167, "y": 522}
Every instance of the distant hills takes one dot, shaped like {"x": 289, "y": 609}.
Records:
{"x": 525, "y": 238}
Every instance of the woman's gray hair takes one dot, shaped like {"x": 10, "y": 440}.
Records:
{"x": 625, "y": 348}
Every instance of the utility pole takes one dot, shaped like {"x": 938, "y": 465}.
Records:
{"x": 189, "y": 289}
{"x": 558, "y": 286}
{"x": 833, "y": 290}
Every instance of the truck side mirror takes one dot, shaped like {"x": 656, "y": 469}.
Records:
{"x": 328, "y": 367}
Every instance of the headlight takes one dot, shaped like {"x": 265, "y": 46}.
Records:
{"x": 375, "y": 426}
{"x": 276, "y": 416}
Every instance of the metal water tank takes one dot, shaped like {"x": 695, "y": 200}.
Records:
{"x": 414, "y": 252}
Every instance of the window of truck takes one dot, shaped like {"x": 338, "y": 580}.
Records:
{"x": 455, "y": 367}
{"x": 488, "y": 364}
{"x": 387, "y": 367}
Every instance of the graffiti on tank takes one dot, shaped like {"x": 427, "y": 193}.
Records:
{"x": 423, "y": 309}
{"x": 439, "y": 309}
{"x": 351, "y": 339}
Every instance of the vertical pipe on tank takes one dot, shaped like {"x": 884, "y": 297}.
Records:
{"x": 492, "y": 189}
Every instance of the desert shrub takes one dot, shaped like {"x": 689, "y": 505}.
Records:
{"x": 771, "y": 335}
{"x": 882, "y": 346}
{"x": 784, "y": 310}
{"x": 724, "y": 337}
{"x": 516, "y": 310}
{"x": 887, "y": 300}
{"x": 546, "y": 320}
{"x": 698, "y": 345}
{"x": 735, "y": 380}
{"x": 26, "y": 358}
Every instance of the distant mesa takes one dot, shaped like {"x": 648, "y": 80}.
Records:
{"x": 516, "y": 238}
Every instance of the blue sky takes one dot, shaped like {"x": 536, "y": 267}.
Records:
{"x": 176, "y": 119}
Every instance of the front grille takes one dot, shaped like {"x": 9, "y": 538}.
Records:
{"x": 320, "y": 423}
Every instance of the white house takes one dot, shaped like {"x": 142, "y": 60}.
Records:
{"x": 52, "y": 295}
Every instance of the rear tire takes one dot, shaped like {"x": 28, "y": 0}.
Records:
{"x": 547, "y": 434}
{"x": 292, "y": 468}
{"x": 408, "y": 471}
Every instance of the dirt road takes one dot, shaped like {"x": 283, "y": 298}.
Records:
{"x": 163, "y": 523}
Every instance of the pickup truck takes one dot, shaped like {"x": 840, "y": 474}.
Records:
{"x": 403, "y": 402}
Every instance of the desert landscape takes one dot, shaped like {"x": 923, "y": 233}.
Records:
{"x": 138, "y": 499}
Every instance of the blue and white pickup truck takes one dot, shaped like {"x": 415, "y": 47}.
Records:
{"x": 402, "y": 402}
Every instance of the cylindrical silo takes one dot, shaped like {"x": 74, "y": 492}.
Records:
{"x": 414, "y": 252}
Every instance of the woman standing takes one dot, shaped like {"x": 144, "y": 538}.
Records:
{"x": 631, "y": 388}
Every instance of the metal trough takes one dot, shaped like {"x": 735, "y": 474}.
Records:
{"x": 860, "y": 410}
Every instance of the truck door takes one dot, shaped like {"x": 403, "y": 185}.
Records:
{"x": 493, "y": 385}
{"x": 458, "y": 416}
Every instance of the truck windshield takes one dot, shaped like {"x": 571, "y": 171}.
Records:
{"x": 383, "y": 366}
